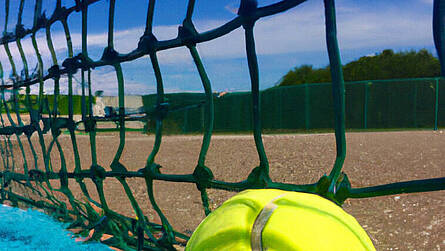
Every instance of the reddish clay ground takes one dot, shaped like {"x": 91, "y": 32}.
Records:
{"x": 402, "y": 222}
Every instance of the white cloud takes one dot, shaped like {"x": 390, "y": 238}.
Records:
{"x": 232, "y": 7}
{"x": 297, "y": 30}
{"x": 430, "y": 2}
{"x": 302, "y": 30}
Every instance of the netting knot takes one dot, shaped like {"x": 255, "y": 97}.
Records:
{"x": 7, "y": 130}
{"x": 8, "y": 37}
{"x": 147, "y": 43}
{"x": 246, "y": 11}
{"x": 60, "y": 13}
{"x": 36, "y": 175}
{"x": 81, "y": 5}
{"x": 70, "y": 124}
{"x": 187, "y": 33}
{"x": 41, "y": 22}
{"x": 60, "y": 123}
{"x": 89, "y": 124}
{"x": 340, "y": 192}
{"x": 72, "y": 64}
{"x": 29, "y": 129}
{"x": 83, "y": 62}
{"x": 116, "y": 166}
{"x": 54, "y": 72}
{"x": 247, "y": 7}
{"x": 63, "y": 178}
{"x": 323, "y": 184}
{"x": 150, "y": 170}
{"x": 97, "y": 173}
{"x": 110, "y": 55}
{"x": 20, "y": 31}
{"x": 342, "y": 189}
{"x": 203, "y": 175}
{"x": 258, "y": 178}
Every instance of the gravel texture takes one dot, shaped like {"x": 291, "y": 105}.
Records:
{"x": 401, "y": 222}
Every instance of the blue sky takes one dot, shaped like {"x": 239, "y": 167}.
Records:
{"x": 283, "y": 41}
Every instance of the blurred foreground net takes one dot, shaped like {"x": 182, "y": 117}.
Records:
{"x": 28, "y": 183}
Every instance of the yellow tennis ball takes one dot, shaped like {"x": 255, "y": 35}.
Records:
{"x": 270, "y": 219}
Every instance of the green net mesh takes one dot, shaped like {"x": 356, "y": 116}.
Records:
{"x": 25, "y": 181}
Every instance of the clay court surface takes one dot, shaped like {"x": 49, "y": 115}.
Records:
{"x": 401, "y": 222}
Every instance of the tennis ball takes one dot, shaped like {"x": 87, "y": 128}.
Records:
{"x": 270, "y": 219}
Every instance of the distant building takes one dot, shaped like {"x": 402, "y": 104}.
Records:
{"x": 22, "y": 91}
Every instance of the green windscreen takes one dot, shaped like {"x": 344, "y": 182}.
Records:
{"x": 372, "y": 104}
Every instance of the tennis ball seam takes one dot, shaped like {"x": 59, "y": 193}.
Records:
{"x": 263, "y": 209}
{"x": 266, "y": 213}
{"x": 256, "y": 236}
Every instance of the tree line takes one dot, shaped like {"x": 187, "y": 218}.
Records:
{"x": 385, "y": 65}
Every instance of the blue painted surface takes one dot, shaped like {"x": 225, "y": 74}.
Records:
{"x": 33, "y": 230}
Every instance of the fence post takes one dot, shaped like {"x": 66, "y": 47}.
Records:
{"x": 365, "y": 106}
{"x": 415, "y": 105}
{"x": 186, "y": 121}
{"x": 307, "y": 110}
{"x": 436, "y": 107}
{"x": 202, "y": 117}
{"x": 280, "y": 109}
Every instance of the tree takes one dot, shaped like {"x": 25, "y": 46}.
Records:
{"x": 306, "y": 74}
{"x": 385, "y": 65}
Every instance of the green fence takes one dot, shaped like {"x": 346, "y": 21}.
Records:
{"x": 374, "y": 104}
{"x": 48, "y": 103}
